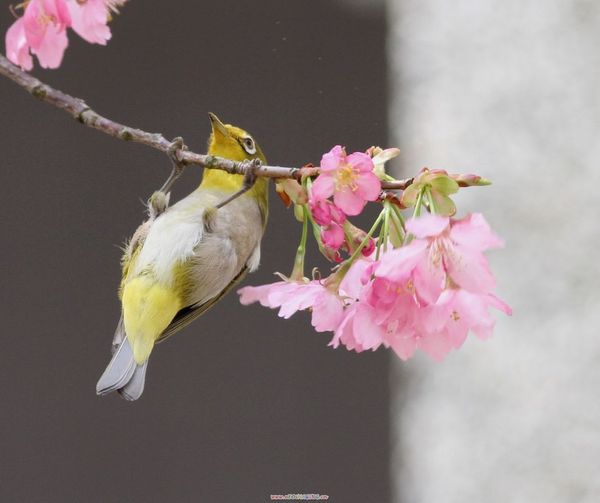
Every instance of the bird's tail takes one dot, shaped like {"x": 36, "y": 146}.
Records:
{"x": 122, "y": 374}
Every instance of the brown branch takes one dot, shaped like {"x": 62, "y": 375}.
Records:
{"x": 79, "y": 110}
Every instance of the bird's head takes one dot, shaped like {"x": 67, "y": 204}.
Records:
{"x": 232, "y": 142}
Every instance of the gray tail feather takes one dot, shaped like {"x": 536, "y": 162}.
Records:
{"x": 123, "y": 374}
{"x": 135, "y": 387}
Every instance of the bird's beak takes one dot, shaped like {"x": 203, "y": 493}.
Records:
{"x": 217, "y": 125}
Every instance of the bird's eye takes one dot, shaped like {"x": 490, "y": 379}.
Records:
{"x": 248, "y": 145}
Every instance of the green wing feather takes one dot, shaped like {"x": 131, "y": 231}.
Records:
{"x": 188, "y": 314}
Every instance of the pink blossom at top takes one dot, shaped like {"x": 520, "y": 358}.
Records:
{"x": 43, "y": 29}
{"x": 90, "y": 19}
{"x": 290, "y": 296}
{"x": 349, "y": 178}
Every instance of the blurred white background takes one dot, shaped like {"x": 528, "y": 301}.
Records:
{"x": 508, "y": 90}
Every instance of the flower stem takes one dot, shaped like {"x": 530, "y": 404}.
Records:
{"x": 298, "y": 271}
{"x": 366, "y": 239}
{"x": 416, "y": 212}
{"x": 386, "y": 225}
{"x": 419, "y": 203}
{"x": 336, "y": 278}
{"x": 398, "y": 223}
{"x": 432, "y": 207}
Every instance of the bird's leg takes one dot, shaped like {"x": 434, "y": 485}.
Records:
{"x": 176, "y": 145}
{"x": 249, "y": 181}
{"x": 159, "y": 200}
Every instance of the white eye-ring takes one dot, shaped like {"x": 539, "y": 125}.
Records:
{"x": 248, "y": 145}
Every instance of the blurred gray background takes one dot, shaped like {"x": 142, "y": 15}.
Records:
{"x": 242, "y": 404}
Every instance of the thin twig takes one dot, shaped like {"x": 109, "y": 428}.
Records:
{"x": 79, "y": 110}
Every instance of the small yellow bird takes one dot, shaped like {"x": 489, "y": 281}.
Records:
{"x": 185, "y": 258}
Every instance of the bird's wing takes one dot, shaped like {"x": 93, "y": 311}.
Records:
{"x": 188, "y": 314}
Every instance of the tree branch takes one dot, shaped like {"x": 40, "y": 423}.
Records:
{"x": 80, "y": 111}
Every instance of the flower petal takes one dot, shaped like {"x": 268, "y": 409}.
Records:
{"x": 369, "y": 186}
{"x": 89, "y": 21}
{"x": 427, "y": 225}
{"x": 397, "y": 265}
{"x": 327, "y": 312}
{"x": 361, "y": 162}
{"x": 50, "y": 52}
{"x": 17, "y": 48}
{"x": 322, "y": 187}
{"x": 348, "y": 201}
{"x": 470, "y": 270}
{"x": 332, "y": 159}
{"x": 475, "y": 233}
{"x": 333, "y": 236}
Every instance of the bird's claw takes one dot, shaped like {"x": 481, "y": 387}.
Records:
{"x": 250, "y": 172}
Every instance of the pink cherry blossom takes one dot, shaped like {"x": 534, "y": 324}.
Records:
{"x": 330, "y": 218}
{"x": 445, "y": 324}
{"x": 393, "y": 303}
{"x": 443, "y": 251}
{"x": 41, "y": 31}
{"x": 290, "y": 296}
{"x": 17, "y": 47}
{"x": 333, "y": 236}
{"x": 379, "y": 313}
{"x": 90, "y": 18}
{"x": 349, "y": 178}
{"x": 324, "y": 212}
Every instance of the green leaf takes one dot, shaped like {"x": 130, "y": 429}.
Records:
{"x": 443, "y": 204}
{"x": 443, "y": 184}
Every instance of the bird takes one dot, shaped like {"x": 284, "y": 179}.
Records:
{"x": 186, "y": 257}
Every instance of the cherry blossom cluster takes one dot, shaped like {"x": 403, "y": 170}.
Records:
{"x": 42, "y": 29}
{"x": 423, "y": 283}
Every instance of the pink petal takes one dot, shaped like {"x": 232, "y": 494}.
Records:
{"x": 321, "y": 212}
{"x": 90, "y": 21}
{"x": 404, "y": 346}
{"x": 369, "y": 186}
{"x": 475, "y": 233}
{"x": 427, "y": 225}
{"x": 429, "y": 279}
{"x": 352, "y": 284}
{"x": 17, "y": 48}
{"x": 337, "y": 215}
{"x": 348, "y": 201}
{"x": 366, "y": 332}
{"x": 469, "y": 270}
{"x": 323, "y": 187}
{"x": 50, "y": 52}
{"x": 251, "y": 294}
{"x": 361, "y": 162}
{"x": 35, "y": 31}
{"x": 332, "y": 159}
{"x": 344, "y": 333}
{"x": 60, "y": 10}
{"x": 436, "y": 346}
{"x": 397, "y": 264}
{"x": 499, "y": 304}
{"x": 300, "y": 298}
{"x": 327, "y": 312}
{"x": 333, "y": 236}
